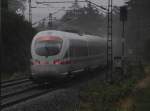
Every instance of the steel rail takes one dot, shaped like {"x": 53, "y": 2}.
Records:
{"x": 25, "y": 89}
{"x": 14, "y": 100}
{"x": 4, "y": 85}
{"x": 15, "y": 87}
{"x": 11, "y": 80}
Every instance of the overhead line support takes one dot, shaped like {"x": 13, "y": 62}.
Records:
{"x": 59, "y": 2}
{"x": 30, "y": 11}
{"x": 109, "y": 39}
{"x": 97, "y": 5}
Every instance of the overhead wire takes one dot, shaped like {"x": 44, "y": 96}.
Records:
{"x": 48, "y": 16}
{"x": 100, "y": 8}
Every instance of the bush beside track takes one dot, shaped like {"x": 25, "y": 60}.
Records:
{"x": 101, "y": 96}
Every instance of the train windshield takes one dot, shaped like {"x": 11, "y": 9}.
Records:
{"x": 48, "y": 47}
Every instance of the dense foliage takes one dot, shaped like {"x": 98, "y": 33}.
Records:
{"x": 138, "y": 28}
{"x": 98, "y": 95}
{"x": 16, "y": 38}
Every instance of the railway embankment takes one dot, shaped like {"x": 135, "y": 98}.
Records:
{"x": 139, "y": 99}
{"x": 91, "y": 93}
{"x": 61, "y": 96}
{"x": 101, "y": 96}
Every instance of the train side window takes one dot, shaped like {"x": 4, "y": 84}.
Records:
{"x": 78, "y": 48}
{"x": 71, "y": 49}
{"x": 83, "y": 51}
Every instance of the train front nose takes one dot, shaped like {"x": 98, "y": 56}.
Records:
{"x": 45, "y": 49}
{"x": 43, "y": 71}
{"x": 48, "y": 71}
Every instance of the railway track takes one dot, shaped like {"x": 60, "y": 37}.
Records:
{"x": 7, "y": 81}
{"x": 15, "y": 82}
{"x": 19, "y": 90}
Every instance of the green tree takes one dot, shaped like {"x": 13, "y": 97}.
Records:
{"x": 4, "y": 4}
{"x": 14, "y": 5}
{"x": 15, "y": 42}
{"x": 139, "y": 20}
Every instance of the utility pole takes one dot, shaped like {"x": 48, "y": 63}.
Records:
{"x": 30, "y": 11}
{"x": 109, "y": 41}
{"x": 50, "y": 23}
{"x": 76, "y": 3}
{"x": 123, "y": 19}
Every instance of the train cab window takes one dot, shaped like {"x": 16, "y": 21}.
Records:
{"x": 48, "y": 47}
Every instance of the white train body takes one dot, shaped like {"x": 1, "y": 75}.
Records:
{"x": 57, "y": 53}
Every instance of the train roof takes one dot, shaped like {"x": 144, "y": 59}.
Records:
{"x": 70, "y": 35}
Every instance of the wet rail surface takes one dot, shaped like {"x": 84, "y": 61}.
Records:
{"x": 25, "y": 89}
{"x": 14, "y": 82}
{"x": 7, "y": 81}
{"x": 19, "y": 90}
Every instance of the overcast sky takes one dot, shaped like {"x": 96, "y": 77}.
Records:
{"x": 39, "y": 13}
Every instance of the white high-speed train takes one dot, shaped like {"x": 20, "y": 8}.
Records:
{"x": 58, "y": 53}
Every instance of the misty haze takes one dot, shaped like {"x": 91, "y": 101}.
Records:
{"x": 75, "y": 55}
